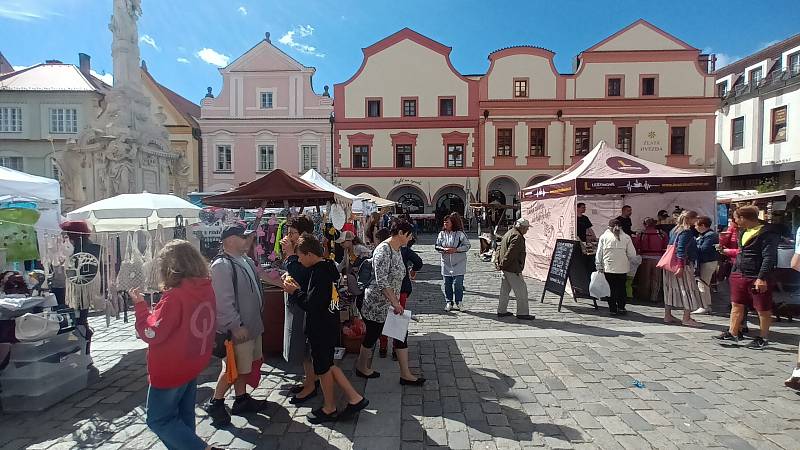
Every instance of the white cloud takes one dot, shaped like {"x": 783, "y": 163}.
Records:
{"x": 214, "y": 57}
{"x": 767, "y": 44}
{"x": 302, "y": 31}
{"x": 147, "y": 39}
{"x": 183, "y": 60}
{"x": 106, "y": 77}
{"x": 242, "y": 10}
{"x": 22, "y": 16}
{"x": 723, "y": 59}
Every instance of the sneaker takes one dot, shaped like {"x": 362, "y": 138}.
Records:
{"x": 448, "y": 307}
{"x": 457, "y": 307}
{"x": 727, "y": 336}
{"x": 758, "y": 343}
{"x": 504, "y": 314}
{"x": 701, "y": 311}
{"x": 246, "y": 404}
{"x": 218, "y": 413}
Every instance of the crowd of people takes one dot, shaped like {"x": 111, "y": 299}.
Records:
{"x": 678, "y": 258}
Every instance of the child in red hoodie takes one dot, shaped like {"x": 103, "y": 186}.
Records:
{"x": 180, "y": 335}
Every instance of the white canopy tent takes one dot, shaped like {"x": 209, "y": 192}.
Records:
{"x": 355, "y": 203}
{"x": 130, "y": 212}
{"x": 45, "y": 192}
{"x": 606, "y": 179}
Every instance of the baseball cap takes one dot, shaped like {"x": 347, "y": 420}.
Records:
{"x": 345, "y": 236}
{"x": 236, "y": 229}
{"x": 523, "y": 223}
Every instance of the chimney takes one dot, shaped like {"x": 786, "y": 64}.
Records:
{"x": 84, "y": 63}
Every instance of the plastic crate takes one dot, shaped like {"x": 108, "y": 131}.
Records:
{"x": 39, "y": 401}
{"x": 26, "y": 352}
{"x": 37, "y": 377}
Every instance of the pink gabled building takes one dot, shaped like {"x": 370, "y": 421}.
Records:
{"x": 266, "y": 116}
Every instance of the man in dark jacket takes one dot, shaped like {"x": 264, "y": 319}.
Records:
{"x": 625, "y": 220}
{"x": 755, "y": 259}
{"x": 511, "y": 261}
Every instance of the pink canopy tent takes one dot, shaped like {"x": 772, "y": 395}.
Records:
{"x": 607, "y": 179}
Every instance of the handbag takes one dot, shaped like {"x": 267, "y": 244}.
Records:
{"x": 151, "y": 270}
{"x": 219, "y": 350}
{"x": 131, "y": 270}
{"x": 669, "y": 260}
{"x": 35, "y": 327}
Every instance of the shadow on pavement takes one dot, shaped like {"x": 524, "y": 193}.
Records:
{"x": 462, "y": 405}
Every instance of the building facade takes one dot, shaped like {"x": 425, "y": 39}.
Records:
{"x": 180, "y": 119}
{"x": 641, "y": 90}
{"x": 406, "y": 126}
{"x": 758, "y": 122}
{"x": 411, "y": 128}
{"x": 41, "y": 108}
{"x": 266, "y": 116}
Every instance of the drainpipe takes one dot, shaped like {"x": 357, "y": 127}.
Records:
{"x": 331, "y": 120}
{"x": 559, "y": 117}
{"x": 198, "y": 135}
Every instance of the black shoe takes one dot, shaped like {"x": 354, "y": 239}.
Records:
{"x": 758, "y": 343}
{"x": 727, "y": 336}
{"x": 297, "y": 400}
{"x": 218, "y": 413}
{"x": 245, "y": 404}
{"x": 382, "y": 353}
{"x": 525, "y": 317}
{"x": 623, "y": 311}
{"x": 418, "y": 382}
{"x": 374, "y": 374}
{"x": 318, "y": 416}
{"x": 505, "y": 314}
{"x": 613, "y": 312}
{"x": 352, "y": 410}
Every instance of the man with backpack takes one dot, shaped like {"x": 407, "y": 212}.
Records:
{"x": 239, "y": 301}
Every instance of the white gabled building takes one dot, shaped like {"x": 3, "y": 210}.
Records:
{"x": 41, "y": 107}
{"x": 758, "y": 123}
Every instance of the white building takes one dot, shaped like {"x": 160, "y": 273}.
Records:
{"x": 758, "y": 123}
{"x": 41, "y": 107}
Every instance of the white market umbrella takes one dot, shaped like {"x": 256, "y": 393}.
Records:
{"x": 129, "y": 212}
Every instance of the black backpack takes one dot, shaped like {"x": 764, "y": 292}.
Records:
{"x": 365, "y": 275}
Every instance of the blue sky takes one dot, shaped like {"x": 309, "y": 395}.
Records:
{"x": 183, "y": 41}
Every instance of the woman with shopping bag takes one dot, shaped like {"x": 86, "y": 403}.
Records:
{"x": 614, "y": 253}
{"x": 678, "y": 264}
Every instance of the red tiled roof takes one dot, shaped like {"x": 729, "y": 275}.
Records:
{"x": 189, "y": 110}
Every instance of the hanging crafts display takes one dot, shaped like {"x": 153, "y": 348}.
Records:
{"x": 17, "y": 234}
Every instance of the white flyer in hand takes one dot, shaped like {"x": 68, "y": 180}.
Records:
{"x": 396, "y": 325}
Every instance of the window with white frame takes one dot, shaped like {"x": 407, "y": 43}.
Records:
{"x": 12, "y": 162}
{"x": 266, "y": 158}
{"x": 310, "y": 158}
{"x": 266, "y": 100}
{"x": 793, "y": 63}
{"x": 63, "y": 120}
{"x": 224, "y": 158}
{"x": 10, "y": 119}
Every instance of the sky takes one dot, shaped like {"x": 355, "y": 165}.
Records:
{"x": 186, "y": 41}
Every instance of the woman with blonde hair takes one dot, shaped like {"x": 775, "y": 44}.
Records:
{"x": 680, "y": 288}
{"x": 179, "y": 333}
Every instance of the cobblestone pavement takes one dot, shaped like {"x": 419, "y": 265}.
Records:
{"x": 565, "y": 380}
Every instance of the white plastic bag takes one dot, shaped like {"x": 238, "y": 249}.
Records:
{"x": 598, "y": 286}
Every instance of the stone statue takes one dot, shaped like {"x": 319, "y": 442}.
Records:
{"x": 119, "y": 149}
{"x": 180, "y": 172}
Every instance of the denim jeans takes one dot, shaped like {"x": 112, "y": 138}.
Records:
{"x": 170, "y": 414}
{"x": 454, "y": 283}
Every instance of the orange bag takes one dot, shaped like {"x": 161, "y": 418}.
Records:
{"x": 230, "y": 362}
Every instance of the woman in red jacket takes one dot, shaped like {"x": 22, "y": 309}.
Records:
{"x": 180, "y": 335}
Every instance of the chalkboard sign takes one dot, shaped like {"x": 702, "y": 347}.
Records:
{"x": 568, "y": 263}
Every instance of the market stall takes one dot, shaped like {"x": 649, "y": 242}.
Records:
{"x": 606, "y": 179}
{"x": 277, "y": 189}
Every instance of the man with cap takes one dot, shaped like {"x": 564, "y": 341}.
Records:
{"x": 239, "y": 302}
{"x": 510, "y": 261}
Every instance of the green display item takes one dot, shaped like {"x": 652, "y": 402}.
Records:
{"x": 17, "y": 235}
